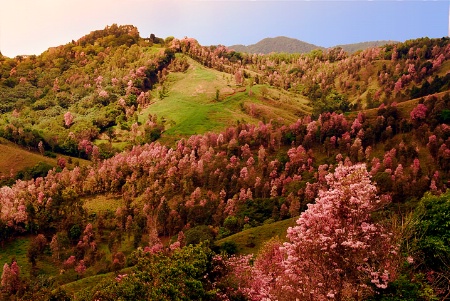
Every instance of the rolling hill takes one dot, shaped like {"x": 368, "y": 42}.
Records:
{"x": 354, "y": 47}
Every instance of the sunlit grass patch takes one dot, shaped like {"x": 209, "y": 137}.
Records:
{"x": 102, "y": 203}
{"x": 250, "y": 241}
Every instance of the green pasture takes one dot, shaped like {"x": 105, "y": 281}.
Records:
{"x": 250, "y": 241}
{"x": 202, "y": 100}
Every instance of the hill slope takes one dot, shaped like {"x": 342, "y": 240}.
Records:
{"x": 14, "y": 159}
{"x": 203, "y": 99}
{"x": 351, "y": 48}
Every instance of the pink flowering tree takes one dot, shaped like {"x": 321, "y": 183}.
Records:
{"x": 337, "y": 250}
{"x": 68, "y": 119}
{"x": 80, "y": 268}
{"x": 103, "y": 94}
{"x": 418, "y": 113}
{"x": 10, "y": 280}
{"x": 70, "y": 262}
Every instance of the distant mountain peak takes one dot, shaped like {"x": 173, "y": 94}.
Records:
{"x": 291, "y": 45}
{"x": 277, "y": 44}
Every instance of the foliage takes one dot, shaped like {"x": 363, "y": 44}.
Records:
{"x": 430, "y": 244}
{"x": 433, "y": 230}
{"x": 199, "y": 234}
{"x": 10, "y": 280}
{"x": 340, "y": 223}
{"x": 246, "y": 160}
{"x": 405, "y": 289}
{"x": 179, "y": 276}
{"x": 336, "y": 250}
{"x": 39, "y": 170}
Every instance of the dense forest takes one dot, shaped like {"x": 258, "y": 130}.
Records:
{"x": 353, "y": 148}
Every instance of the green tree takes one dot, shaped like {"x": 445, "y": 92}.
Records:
{"x": 433, "y": 232}
{"x": 198, "y": 234}
{"x": 181, "y": 276}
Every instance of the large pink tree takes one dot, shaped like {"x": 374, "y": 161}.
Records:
{"x": 337, "y": 250}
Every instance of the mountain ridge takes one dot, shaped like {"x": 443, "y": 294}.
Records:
{"x": 292, "y": 45}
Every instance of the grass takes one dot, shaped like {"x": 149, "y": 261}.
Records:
{"x": 17, "y": 250}
{"x": 102, "y": 203}
{"x": 191, "y": 105}
{"x": 250, "y": 241}
{"x": 445, "y": 68}
{"x": 80, "y": 285}
{"x": 13, "y": 158}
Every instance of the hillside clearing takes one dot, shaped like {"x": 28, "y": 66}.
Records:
{"x": 202, "y": 100}
{"x": 251, "y": 240}
{"x": 14, "y": 159}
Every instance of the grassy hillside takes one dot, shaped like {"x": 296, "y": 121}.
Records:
{"x": 201, "y": 99}
{"x": 17, "y": 250}
{"x": 190, "y": 106}
{"x": 14, "y": 159}
{"x": 251, "y": 240}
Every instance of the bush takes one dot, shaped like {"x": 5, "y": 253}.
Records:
{"x": 229, "y": 247}
{"x": 39, "y": 170}
{"x": 231, "y": 223}
{"x": 433, "y": 231}
{"x": 405, "y": 289}
{"x": 199, "y": 234}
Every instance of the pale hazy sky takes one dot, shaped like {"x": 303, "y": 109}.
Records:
{"x": 32, "y": 26}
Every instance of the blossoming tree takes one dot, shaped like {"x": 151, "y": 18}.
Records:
{"x": 337, "y": 250}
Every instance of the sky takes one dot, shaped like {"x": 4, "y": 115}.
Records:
{"x": 32, "y": 26}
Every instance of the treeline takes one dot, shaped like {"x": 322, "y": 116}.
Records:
{"x": 104, "y": 81}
